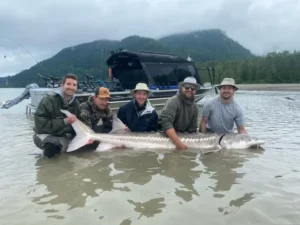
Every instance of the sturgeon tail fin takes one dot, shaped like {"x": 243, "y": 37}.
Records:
{"x": 77, "y": 143}
{"x": 83, "y": 134}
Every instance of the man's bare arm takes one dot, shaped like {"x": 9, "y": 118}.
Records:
{"x": 241, "y": 130}
{"x": 203, "y": 124}
{"x": 171, "y": 133}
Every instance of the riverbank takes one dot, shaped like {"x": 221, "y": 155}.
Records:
{"x": 254, "y": 87}
{"x": 269, "y": 87}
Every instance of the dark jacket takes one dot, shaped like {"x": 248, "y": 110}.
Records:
{"x": 50, "y": 120}
{"x": 180, "y": 114}
{"x": 138, "y": 119}
{"x": 91, "y": 116}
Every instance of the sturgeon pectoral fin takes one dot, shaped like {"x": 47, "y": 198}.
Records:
{"x": 102, "y": 147}
{"x": 118, "y": 126}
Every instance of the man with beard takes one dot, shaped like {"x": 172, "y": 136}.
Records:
{"x": 53, "y": 129}
{"x": 220, "y": 114}
{"x": 96, "y": 112}
{"x": 180, "y": 113}
{"x": 139, "y": 115}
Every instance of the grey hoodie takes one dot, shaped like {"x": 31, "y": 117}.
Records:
{"x": 180, "y": 114}
{"x": 61, "y": 94}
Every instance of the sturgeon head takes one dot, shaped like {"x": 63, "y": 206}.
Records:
{"x": 240, "y": 141}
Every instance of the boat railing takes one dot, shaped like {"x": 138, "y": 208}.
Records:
{"x": 50, "y": 81}
{"x": 163, "y": 87}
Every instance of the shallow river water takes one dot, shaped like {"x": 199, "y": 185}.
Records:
{"x": 130, "y": 187}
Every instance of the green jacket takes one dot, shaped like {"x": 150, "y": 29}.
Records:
{"x": 180, "y": 114}
{"x": 50, "y": 120}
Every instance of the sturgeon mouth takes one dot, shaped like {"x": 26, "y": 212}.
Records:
{"x": 256, "y": 143}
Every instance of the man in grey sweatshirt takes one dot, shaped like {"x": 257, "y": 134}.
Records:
{"x": 180, "y": 113}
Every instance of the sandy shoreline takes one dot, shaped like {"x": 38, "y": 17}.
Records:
{"x": 269, "y": 87}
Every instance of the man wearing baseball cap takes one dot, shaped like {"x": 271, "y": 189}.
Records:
{"x": 221, "y": 113}
{"x": 96, "y": 113}
{"x": 180, "y": 113}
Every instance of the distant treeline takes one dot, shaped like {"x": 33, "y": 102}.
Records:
{"x": 281, "y": 67}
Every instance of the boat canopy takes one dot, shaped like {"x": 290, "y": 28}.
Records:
{"x": 158, "y": 70}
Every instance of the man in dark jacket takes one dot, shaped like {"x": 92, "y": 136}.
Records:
{"x": 180, "y": 113}
{"x": 53, "y": 129}
{"x": 96, "y": 113}
{"x": 138, "y": 115}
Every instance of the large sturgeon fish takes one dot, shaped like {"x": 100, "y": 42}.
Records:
{"x": 118, "y": 137}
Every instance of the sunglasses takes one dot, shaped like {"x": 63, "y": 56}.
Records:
{"x": 189, "y": 87}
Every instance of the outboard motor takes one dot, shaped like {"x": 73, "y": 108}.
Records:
{"x": 24, "y": 95}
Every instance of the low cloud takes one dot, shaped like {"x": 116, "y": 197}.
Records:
{"x": 45, "y": 27}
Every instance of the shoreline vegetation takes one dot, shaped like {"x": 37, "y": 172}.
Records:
{"x": 269, "y": 87}
{"x": 279, "y": 68}
{"x": 243, "y": 87}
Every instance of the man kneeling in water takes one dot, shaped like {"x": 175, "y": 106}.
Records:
{"x": 53, "y": 131}
{"x": 96, "y": 112}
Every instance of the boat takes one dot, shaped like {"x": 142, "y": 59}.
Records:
{"x": 160, "y": 71}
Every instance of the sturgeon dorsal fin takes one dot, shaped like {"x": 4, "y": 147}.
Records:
{"x": 118, "y": 126}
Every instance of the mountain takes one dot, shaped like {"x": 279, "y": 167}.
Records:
{"x": 207, "y": 45}
{"x": 90, "y": 58}
{"x": 3, "y": 81}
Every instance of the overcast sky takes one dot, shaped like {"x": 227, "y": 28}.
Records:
{"x": 45, "y": 27}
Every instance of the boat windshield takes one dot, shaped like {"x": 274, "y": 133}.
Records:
{"x": 170, "y": 74}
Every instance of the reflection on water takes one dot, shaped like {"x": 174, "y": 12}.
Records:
{"x": 83, "y": 175}
{"x": 149, "y": 208}
{"x": 130, "y": 187}
{"x": 180, "y": 168}
{"x": 70, "y": 180}
{"x": 73, "y": 179}
{"x": 224, "y": 172}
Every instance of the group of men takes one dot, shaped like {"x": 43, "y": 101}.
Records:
{"x": 53, "y": 131}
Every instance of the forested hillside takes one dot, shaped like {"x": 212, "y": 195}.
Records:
{"x": 90, "y": 58}
{"x": 282, "y": 67}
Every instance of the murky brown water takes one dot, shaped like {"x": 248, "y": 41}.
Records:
{"x": 230, "y": 187}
